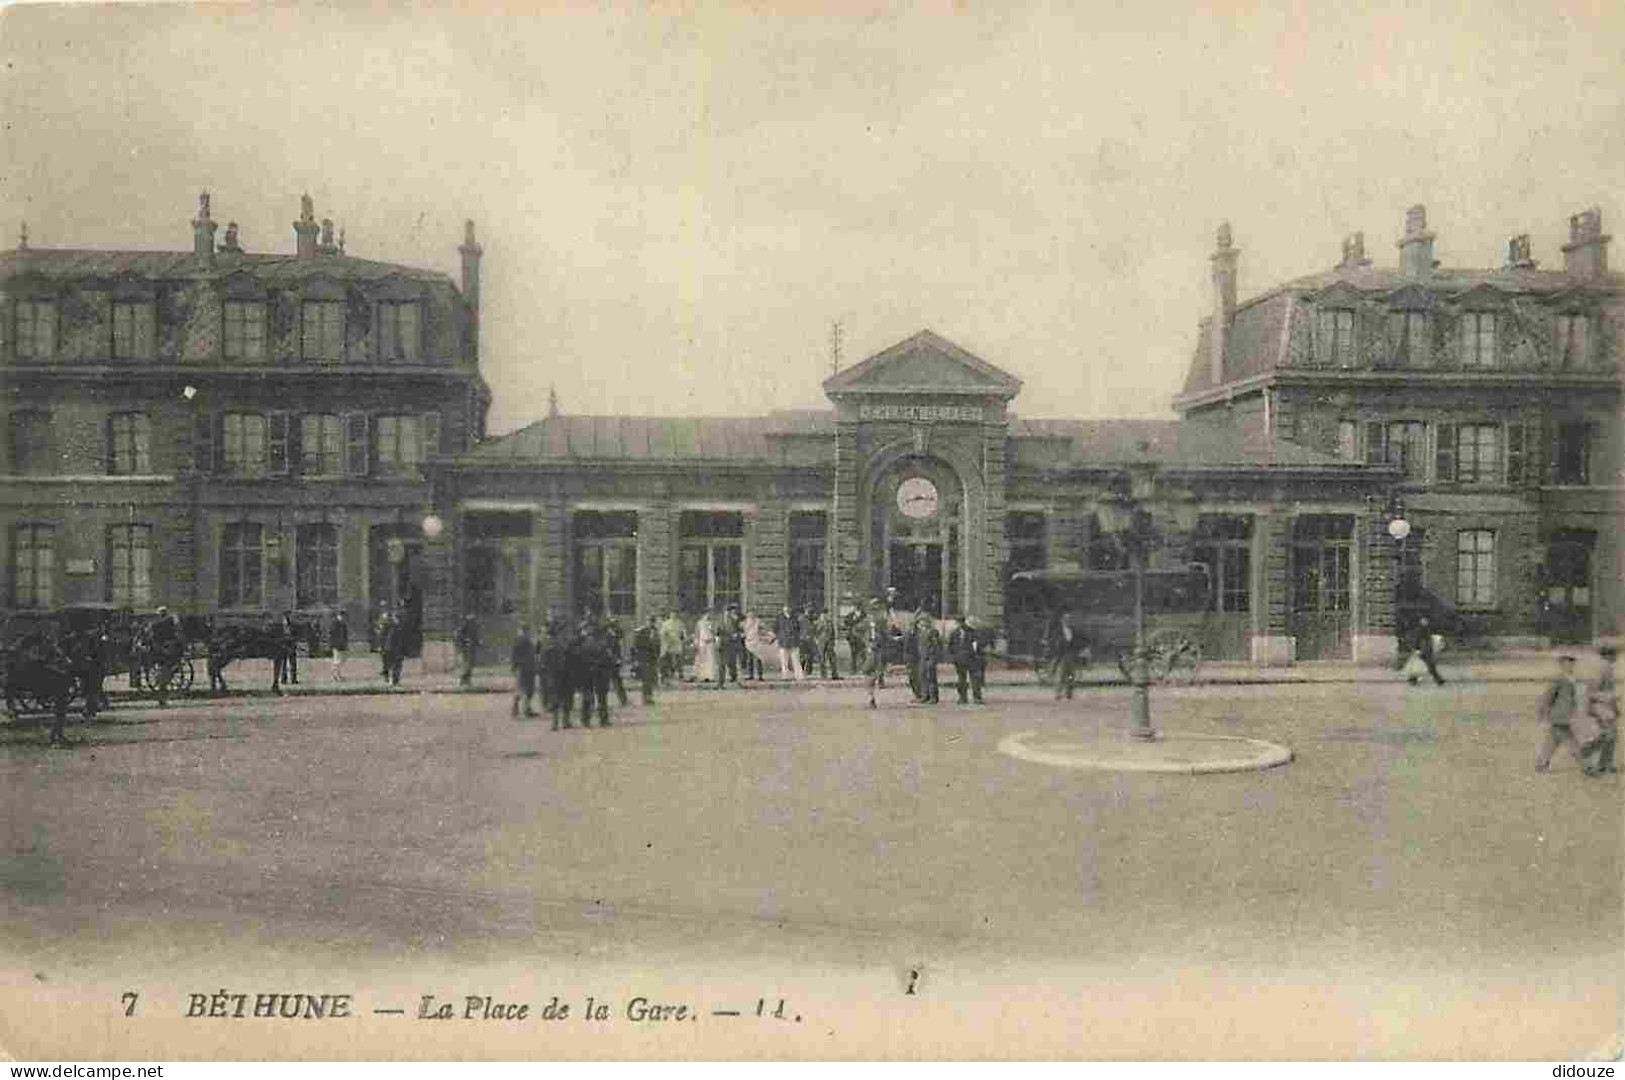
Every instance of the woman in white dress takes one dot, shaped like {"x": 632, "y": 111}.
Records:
{"x": 705, "y": 649}
{"x": 754, "y": 646}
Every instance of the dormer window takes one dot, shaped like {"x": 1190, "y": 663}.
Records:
{"x": 36, "y": 329}
{"x": 399, "y": 331}
{"x": 322, "y": 329}
{"x": 1337, "y": 337}
{"x": 1573, "y": 340}
{"x": 244, "y": 330}
{"x": 1409, "y": 336}
{"x": 1478, "y": 339}
{"x": 132, "y": 330}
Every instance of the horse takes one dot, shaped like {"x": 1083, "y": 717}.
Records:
{"x": 273, "y": 642}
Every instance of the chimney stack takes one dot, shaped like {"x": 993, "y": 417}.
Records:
{"x": 306, "y": 228}
{"x": 230, "y": 246}
{"x": 1416, "y": 249}
{"x": 327, "y": 246}
{"x": 203, "y": 229}
{"x": 1224, "y": 302}
{"x": 1586, "y": 253}
{"x": 1354, "y": 252}
{"x": 472, "y": 253}
{"x": 1518, "y": 254}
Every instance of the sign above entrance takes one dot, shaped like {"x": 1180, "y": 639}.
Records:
{"x": 875, "y": 411}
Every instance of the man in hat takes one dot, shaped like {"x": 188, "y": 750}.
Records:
{"x": 969, "y": 654}
{"x": 1603, "y": 703}
{"x": 1557, "y": 711}
{"x": 646, "y": 658}
{"x": 523, "y": 662}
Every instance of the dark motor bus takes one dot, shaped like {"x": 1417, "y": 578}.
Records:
{"x": 1102, "y": 607}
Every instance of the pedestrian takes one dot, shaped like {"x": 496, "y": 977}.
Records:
{"x": 1425, "y": 644}
{"x": 1602, "y": 701}
{"x": 558, "y": 666}
{"x": 827, "y": 633}
{"x": 787, "y": 634}
{"x": 930, "y": 653}
{"x": 968, "y": 651}
{"x": 879, "y": 632}
{"x": 468, "y": 643}
{"x": 755, "y": 643}
{"x": 733, "y": 643}
{"x": 338, "y": 641}
{"x": 382, "y": 627}
{"x": 1069, "y": 647}
{"x": 596, "y": 667}
{"x": 523, "y": 662}
{"x": 395, "y": 647}
{"x": 856, "y": 627}
{"x": 646, "y": 658}
{"x": 614, "y": 654}
{"x": 1557, "y": 712}
{"x": 705, "y": 650}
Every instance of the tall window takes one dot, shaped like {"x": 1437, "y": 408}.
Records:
{"x": 132, "y": 330}
{"x": 1478, "y": 339}
{"x": 1321, "y": 560}
{"x": 244, "y": 442}
{"x": 245, "y": 330}
{"x": 1475, "y": 568}
{"x": 1526, "y": 451}
{"x": 33, "y": 566}
{"x": 322, "y": 329}
{"x": 1337, "y": 337}
{"x": 129, "y": 565}
{"x": 1399, "y": 442}
{"x": 1024, "y": 531}
{"x": 497, "y": 563}
{"x": 1224, "y": 546}
{"x": 321, "y": 444}
{"x": 1573, "y": 340}
{"x": 128, "y": 442}
{"x": 606, "y": 561}
{"x": 316, "y": 547}
{"x": 30, "y": 437}
{"x": 1478, "y": 453}
{"x": 242, "y": 562}
{"x": 808, "y": 531}
{"x": 36, "y": 329}
{"x": 1408, "y": 334}
{"x": 399, "y": 334}
{"x": 401, "y": 444}
{"x": 1348, "y": 440}
{"x": 710, "y": 560}
{"x": 1571, "y": 459}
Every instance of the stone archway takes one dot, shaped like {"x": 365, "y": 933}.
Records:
{"x": 919, "y": 512}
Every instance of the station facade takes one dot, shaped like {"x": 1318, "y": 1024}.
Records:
{"x": 921, "y": 478}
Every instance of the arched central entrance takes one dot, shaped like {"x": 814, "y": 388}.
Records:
{"x": 917, "y": 517}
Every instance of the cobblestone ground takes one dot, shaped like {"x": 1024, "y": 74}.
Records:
{"x": 1407, "y": 887}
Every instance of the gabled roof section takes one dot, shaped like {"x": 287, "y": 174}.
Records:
{"x": 781, "y": 438}
{"x": 924, "y": 363}
{"x": 1256, "y": 343}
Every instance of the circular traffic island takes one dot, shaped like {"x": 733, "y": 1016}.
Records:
{"x": 1114, "y": 750}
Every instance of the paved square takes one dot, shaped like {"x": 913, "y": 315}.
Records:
{"x": 1407, "y": 886}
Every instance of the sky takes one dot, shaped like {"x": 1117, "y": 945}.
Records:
{"x": 678, "y": 201}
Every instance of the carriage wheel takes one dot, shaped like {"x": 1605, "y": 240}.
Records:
{"x": 163, "y": 679}
{"x": 1175, "y": 657}
{"x": 187, "y": 674}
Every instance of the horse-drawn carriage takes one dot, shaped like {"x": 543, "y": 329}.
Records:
{"x": 1102, "y": 604}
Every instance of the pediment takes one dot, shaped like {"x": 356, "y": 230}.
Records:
{"x": 1482, "y": 298}
{"x": 924, "y": 363}
{"x": 1412, "y": 298}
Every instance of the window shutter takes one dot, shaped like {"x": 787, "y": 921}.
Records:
{"x": 104, "y": 447}
{"x": 204, "y": 452}
{"x": 1374, "y": 448}
{"x": 357, "y": 446}
{"x": 1444, "y": 458}
{"x": 296, "y": 445}
{"x": 1588, "y": 433}
{"x": 431, "y": 435}
{"x": 1554, "y": 451}
{"x": 1515, "y": 453}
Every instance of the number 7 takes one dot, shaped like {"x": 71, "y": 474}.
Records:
{"x": 129, "y": 998}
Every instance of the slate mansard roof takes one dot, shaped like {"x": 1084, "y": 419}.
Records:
{"x": 1259, "y": 329}
{"x": 64, "y": 264}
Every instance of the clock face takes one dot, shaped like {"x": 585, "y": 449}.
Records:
{"x": 917, "y": 497}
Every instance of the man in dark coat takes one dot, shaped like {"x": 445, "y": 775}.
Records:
{"x": 1558, "y": 706}
{"x": 468, "y": 643}
{"x": 558, "y": 666}
{"x": 929, "y": 645}
{"x": 395, "y": 637}
{"x": 616, "y": 651}
{"x": 968, "y": 651}
{"x": 592, "y": 670}
{"x": 338, "y": 640}
{"x": 646, "y": 658}
{"x": 1422, "y": 644}
{"x": 1070, "y": 648}
{"x": 523, "y": 661}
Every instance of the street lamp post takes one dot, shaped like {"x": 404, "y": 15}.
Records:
{"x": 1133, "y": 514}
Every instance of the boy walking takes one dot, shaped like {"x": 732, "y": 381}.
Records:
{"x": 1557, "y": 711}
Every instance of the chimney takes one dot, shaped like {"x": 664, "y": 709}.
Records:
{"x": 1224, "y": 302}
{"x": 472, "y": 253}
{"x": 203, "y": 229}
{"x": 327, "y": 246}
{"x": 1354, "y": 253}
{"x": 1416, "y": 249}
{"x": 1586, "y": 253}
{"x": 231, "y": 246}
{"x": 1518, "y": 254}
{"x": 306, "y": 228}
